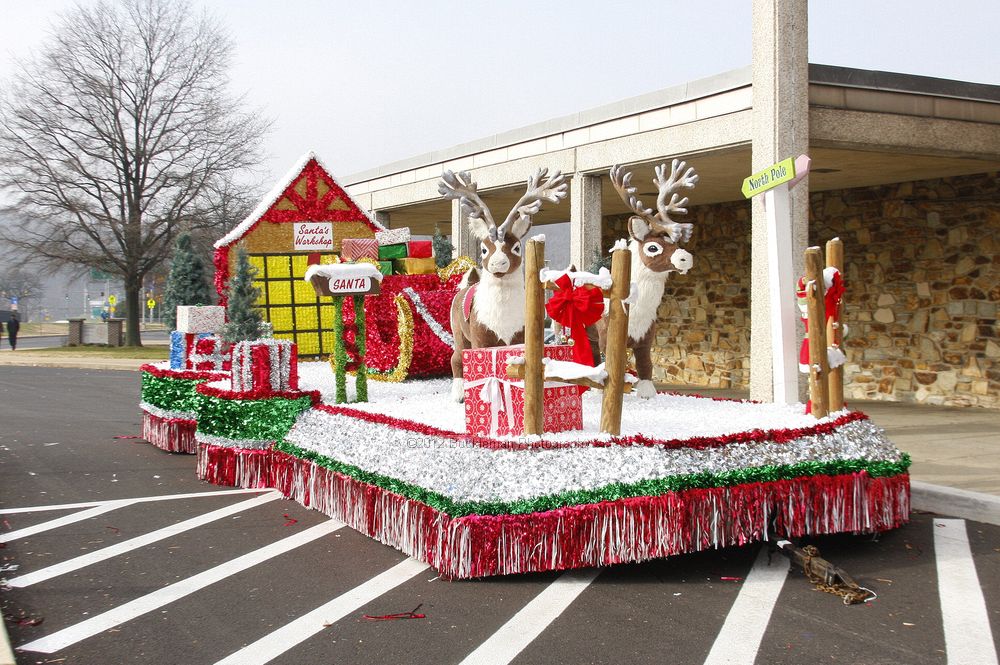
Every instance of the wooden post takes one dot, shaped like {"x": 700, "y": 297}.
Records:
{"x": 835, "y": 327}
{"x": 819, "y": 368}
{"x": 534, "y": 337}
{"x": 621, "y": 281}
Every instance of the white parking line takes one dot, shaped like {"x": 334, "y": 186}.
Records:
{"x": 64, "y": 520}
{"x": 151, "y": 601}
{"x": 739, "y": 640}
{"x": 967, "y": 634}
{"x": 137, "y": 542}
{"x": 274, "y": 644}
{"x": 512, "y": 637}
{"x": 140, "y": 499}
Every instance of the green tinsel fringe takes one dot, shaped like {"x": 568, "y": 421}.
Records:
{"x": 339, "y": 353}
{"x": 170, "y": 394}
{"x": 361, "y": 380}
{"x": 653, "y": 487}
{"x": 258, "y": 419}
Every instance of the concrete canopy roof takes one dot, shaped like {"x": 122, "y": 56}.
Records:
{"x": 866, "y": 128}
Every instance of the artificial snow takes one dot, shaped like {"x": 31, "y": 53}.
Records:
{"x": 569, "y": 371}
{"x": 344, "y": 271}
{"x": 601, "y": 280}
{"x": 665, "y": 416}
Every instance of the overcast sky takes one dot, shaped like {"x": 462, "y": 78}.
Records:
{"x": 367, "y": 83}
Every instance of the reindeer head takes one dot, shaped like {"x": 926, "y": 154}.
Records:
{"x": 500, "y": 246}
{"x": 658, "y": 236}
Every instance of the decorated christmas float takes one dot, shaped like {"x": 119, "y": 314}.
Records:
{"x": 535, "y": 457}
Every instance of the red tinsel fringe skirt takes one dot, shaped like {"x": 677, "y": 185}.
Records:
{"x": 173, "y": 434}
{"x": 626, "y": 530}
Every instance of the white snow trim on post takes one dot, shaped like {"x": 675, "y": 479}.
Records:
{"x": 568, "y": 370}
{"x": 835, "y": 357}
{"x": 539, "y": 238}
{"x": 621, "y": 243}
{"x": 601, "y": 280}
{"x": 828, "y": 275}
{"x": 344, "y": 271}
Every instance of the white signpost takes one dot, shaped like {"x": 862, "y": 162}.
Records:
{"x": 774, "y": 183}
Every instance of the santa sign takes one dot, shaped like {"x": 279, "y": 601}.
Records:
{"x": 345, "y": 279}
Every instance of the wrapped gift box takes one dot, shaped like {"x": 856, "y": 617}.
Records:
{"x": 393, "y": 236}
{"x": 181, "y": 346}
{"x": 494, "y": 404}
{"x": 353, "y": 249}
{"x": 265, "y": 366}
{"x": 420, "y": 249}
{"x": 410, "y": 266}
{"x": 200, "y": 319}
{"x": 390, "y": 252}
{"x": 385, "y": 267}
{"x": 211, "y": 354}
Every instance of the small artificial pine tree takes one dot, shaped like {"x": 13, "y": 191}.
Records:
{"x": 245, "y": 322}
{"x": 442, "y": 248}
{"x": 186, "y": 282}
{"x": 600, "y": 261}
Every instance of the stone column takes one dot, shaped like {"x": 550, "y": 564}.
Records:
{"x": 584, "y": 219}
{"x": 462, "y": 240}
{"x": 383, "y": 218}
{"x": 780, "y": 130}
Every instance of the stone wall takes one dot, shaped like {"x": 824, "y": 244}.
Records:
{"x": 923, "y": 280}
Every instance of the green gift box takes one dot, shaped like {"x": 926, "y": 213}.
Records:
{"x": 390, "y": 252}
{"x": 385, "y": 267}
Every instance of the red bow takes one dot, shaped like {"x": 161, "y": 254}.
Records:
{"x": 576, "y": 308}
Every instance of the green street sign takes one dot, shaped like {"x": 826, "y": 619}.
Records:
{"x": 769, "y": 178}
{"x": 98, "y": 275}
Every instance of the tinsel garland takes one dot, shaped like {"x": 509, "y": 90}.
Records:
{"x": 459, "y": 266}
{"x": 226, "y": 465}
{"x": 221, "y": 261}
{"x": 339, "y": 350}
{"x": 254, "y": 419}
{"x": 608, "y": 532}
{"x": 698, "y": 442}
{"x": 445, "y": 336}
{"x": 649, "y": 487}
{"x": 164, "y": 372}
{"x": 401, "y": 357}
{"x": 175, "y": 435}
{"x": 360, "y": 339}
{"x": 172, "y": 394}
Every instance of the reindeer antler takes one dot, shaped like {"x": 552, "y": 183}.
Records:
{"x": 541, "y": 187}
{"x": 626, "y": 190}
{"x": 668, "y": 186}
{"x": 462, "y": 187}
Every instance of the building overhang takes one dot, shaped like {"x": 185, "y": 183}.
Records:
{"x": 866, "y": 128}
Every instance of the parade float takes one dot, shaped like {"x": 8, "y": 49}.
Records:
{"x": 530, "y": 456}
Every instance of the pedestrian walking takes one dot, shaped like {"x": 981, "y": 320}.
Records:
{"x": 12, "y": 327}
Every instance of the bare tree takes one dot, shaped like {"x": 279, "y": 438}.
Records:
{"x": 119, "y": 135}
{"x": 20, "y": 286}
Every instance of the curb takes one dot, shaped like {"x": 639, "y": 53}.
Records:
{"x": 975, "y": 506}
{"x": 67, "y": 363}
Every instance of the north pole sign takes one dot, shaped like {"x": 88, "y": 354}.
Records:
{"x": 769, "y": 178}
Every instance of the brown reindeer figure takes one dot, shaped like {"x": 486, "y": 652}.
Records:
{"x": 489, "y": 307}
{"x": 655, "y": 244}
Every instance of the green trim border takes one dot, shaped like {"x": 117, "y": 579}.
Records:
{"x": 652, "y": 487}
